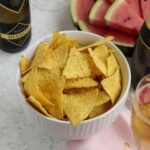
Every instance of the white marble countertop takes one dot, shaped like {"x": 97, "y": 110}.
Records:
{"x": 13, "y": 126}
{"x": 12, "y": 121}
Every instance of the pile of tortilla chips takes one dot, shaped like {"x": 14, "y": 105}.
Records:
{"x": 68, "y": 82}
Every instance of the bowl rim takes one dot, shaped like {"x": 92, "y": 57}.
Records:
{"x": 120, "y": 99}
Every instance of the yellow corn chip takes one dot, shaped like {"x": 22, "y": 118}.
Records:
{"x": 112, "y": 85}
{"x": 62, "y": 39}
{"x": 102, "y": 52}
{"x": 78, "y": 106}
{"x": 97, "y": 43}
{"x": 54, "y": 39}
{"x": 98, "y": 110}
{"x": 40, "y": 54}
{"x": 31, "y": 88}
{"x": 50, "y": 63}
{"x": 102, "y": 98}
{"x": 61, "y": 55}
{"x": 112, "y": 65}
{"x": 52, "y": 86}
{"x": 24, "y": 78}
{"x": 79, "y": 65}
{"x": 80, "y": 83}
{"x": 24, "y": 64}
{"x": 98, "y": 62}
{"x": 73, "y": 43}
{"x": 38, "y": 106}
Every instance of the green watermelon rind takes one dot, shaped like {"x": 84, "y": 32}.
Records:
{"x": 83, "y": 27}
{"x": 111, "y": 10}
{"x": 94, "y": 10}
{"x": 73, "y": 14}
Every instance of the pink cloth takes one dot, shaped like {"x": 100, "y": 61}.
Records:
{"x": 115, "y": 137}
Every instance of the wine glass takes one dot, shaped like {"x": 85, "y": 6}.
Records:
{"x": 140, "y": 119}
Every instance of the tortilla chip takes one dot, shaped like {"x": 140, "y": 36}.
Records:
{"x": 61, "y": 55}
{"x": 24, "y": 64}
{"x": 31, "y": 88}
{"x": 73, "y": 43}
{"x": 98, "y": 62}
{"x": 112, "y": 65}
{"x": 78, "y": 106}
{"x": 97, "y": 43}
{"x": 102, "y": 52}
{"x": 80, "y": 83}
{"x": 38, "y": 106}
{"x": 24, "y": 78}
{"x": 52, "y": 86}
{"x": 54, "y": 39}
{"x": 40, "y": 54}
{"x": 112, "y": 85}
{"x": 79, "y": 65}
{"x": 60, "y": 41}
{"x": 98, "y": 110}
{"x": 50, "y": 63}
{"x": 102, "y": 98}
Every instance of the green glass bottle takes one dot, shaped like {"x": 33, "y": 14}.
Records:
{"x": 15, "y": 26}
{"x": 140, "y": 62}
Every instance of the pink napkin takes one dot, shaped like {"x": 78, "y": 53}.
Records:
{"x": 118, "y": 136}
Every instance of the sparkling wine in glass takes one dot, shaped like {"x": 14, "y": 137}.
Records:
{"x": 141, "y": 114}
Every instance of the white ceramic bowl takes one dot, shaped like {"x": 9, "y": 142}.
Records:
{"x": 64, "y": 129}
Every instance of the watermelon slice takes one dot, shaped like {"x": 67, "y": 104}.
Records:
{"x": 135, "y": 5}
{"x": 98, "y": 12}
{"x": 121, "y": 17}
{"x": 119, "y": 37}
{"x": 80, "y": 9}
{"x": 78, "y": 12}
{"x": 145, "y": 7}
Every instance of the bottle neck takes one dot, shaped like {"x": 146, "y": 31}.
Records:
{"x": 145, "y": 34}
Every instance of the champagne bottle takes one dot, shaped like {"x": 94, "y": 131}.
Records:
{"x": 15, "y": 26}
{"x": 140, "y": 62}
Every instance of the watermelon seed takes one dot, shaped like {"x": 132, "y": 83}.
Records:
{"x": 125, "y": 20}
{"x": 129, "y": 18}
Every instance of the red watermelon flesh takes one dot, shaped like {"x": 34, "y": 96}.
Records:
{"x": 145, "y": 7}
{"x": 121, "y": 17}
{"x": 80, "y": 9}
{"x": 119, "y": 37}
{"x": 135, "y": 5}
{"x": 98, "y": 11}
{"x": 110, "y": 1}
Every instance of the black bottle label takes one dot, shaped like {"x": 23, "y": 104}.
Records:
{"x": 15, "y": 35}
{"x": 12, "y": 5}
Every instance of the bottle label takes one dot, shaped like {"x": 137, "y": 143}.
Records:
{"x": 12, "y": 5}
{"x": 15, "y": 34}
{"x": 20, "y": 31}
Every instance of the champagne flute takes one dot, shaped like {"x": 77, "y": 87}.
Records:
{"x": 140, "y": 119}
